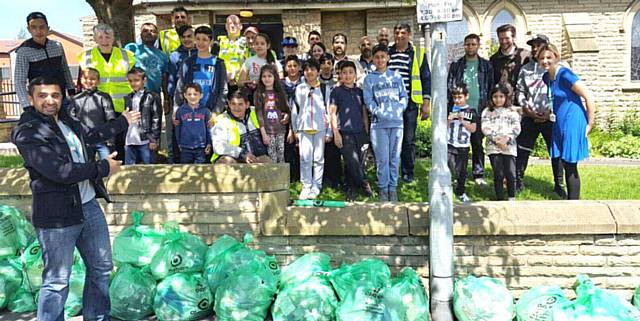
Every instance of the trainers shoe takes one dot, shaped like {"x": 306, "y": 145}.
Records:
{"x": 481, "y": 182}
{"x": 393, "y": 196}
{"x": 351, "y": 196}
{"x": 313, "y": 194}
{"x": 384, "y": 196}
{"x": 367, "y": 190}
{"x": 304, "y": 194}
{"x": 407, "y": 179}
{"x": 559, "y": 189}
{"x": 519, "y": 187}
{"x": 463, "y": 198}
{"x": 511, "y": 199}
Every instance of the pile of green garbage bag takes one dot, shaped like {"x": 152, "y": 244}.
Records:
{"x": 305, "y": 292}
{"x": 406, "y": 298}
{"x": 636, "y": 298}
{"x": 182, "y": 297}
{"x": 595, "y": 304}
{"x": 538, "y": 303}
{"x": 16, "y": 232}
{"x": 482, "y": 298}
{"x": 225, "y": 257}
{"x": 132, "y": 292}
{"x": 10, "y": 280}
{"x": 137, "y": 244}
{"x": 73, "y": 306}
{"x": 246, "y": 294}
{"x": 181, "y": 252}
{"x": 360, "y": 288}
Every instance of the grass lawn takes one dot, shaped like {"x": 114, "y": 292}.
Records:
{"x": 598, "y": 183}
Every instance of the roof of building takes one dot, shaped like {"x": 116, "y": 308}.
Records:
{"x": 9, "y": 45}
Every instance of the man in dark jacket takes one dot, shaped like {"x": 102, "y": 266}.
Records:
{"x": 477, "y": 74}
{"x": 65, "y": 182}
{"x": 508, "y": 60}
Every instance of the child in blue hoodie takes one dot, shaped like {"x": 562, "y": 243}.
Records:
{"x": 386, "y": 99}
{"x": 192, "y": 133}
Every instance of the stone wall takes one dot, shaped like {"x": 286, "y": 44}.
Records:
{"x": 522, "y": 243}
{"x": 298, "y": 24}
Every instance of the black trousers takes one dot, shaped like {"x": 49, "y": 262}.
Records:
{"x": 477, "y": 153}
{"x": 292, "y": 156}
{"x": 118, "y": 143}
{"x": 332, "y": 176}
{"x": 503, "y": 166}
{"x": 458, "y": 159}
{"x": 408, "y": 153}
{"x": 353, "y": 157}
{"x": 529, "y": 132}
{"x": 573, "y": 180}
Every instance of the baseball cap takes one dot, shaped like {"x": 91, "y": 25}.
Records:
{"x": 251, "y": 29}
{"x": 289, "y": 42}
{"x": 37, "y": 15}
{"x": 539, "y": 38}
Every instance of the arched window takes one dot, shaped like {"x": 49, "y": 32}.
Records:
{"x": 456, "y": 31}
{"x": 635, "y": 48}
{"x": 503, "y": 17}
{"x": 503, "y": 12}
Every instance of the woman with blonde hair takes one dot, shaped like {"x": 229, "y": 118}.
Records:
{"x": 573, "y": 121}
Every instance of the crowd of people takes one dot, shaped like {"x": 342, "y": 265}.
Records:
{"x": 234, "y": 99}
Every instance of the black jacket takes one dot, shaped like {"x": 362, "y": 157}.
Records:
{"x": 507, "y": 67}
{"x": 92, "y": 108}
{"x": 54, "y": 176}
{"x": 150, "y": 114}
{"x": 485, "y": 79}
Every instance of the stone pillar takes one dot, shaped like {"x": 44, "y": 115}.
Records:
{"x": 87, "y": 23}
{"x": 298, "y": 24}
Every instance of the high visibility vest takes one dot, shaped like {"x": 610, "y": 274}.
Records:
{"x": 234, "y": 53}
{"x": 169, "y": 41}
{"x": 235, "y": 132}
{"x": 113, "y": 74}
{"x": 416, "y": 83}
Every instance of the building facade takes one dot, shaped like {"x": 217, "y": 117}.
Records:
{"x": 600, "y": 40}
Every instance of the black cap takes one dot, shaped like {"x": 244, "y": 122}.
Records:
{"x": 540, "y": 38}
{"x": 37, "y": 15}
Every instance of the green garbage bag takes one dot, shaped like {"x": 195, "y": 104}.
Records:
{"x": 22, "y": 301}
{"x": 310, "y": 300}
{"x": 482, "y": 298}
{"x": 182, "y": 297}
{"x": 10, "y": 280}
{"x": 305, "y": 267}
{"x": 32, "y": 267}
{"x": 537, "y": 304}
{"x": 181, "y": 252}
{"x": 132, "y": 292}
{"x": 73, "y": 306}
{"x": 636, "y": 298}
{"x": 369, "y": 273}
{"x": 237, "y": 257}
{"x": 138, "y": 243}
{"x": 246, "y": 294}
{"x": 218, "y": 247}
{"x": 16, "y": 232}
{"x": 406, "y": 298}
{"x": 595, "y": 304}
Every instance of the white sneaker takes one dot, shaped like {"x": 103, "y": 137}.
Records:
{"x": 463, "y": 198}
{"x": 314, "y": 193}
{"x": 481, "y": 182}
{"x": 305, "y": 194}
{"x": 512, "y": 199}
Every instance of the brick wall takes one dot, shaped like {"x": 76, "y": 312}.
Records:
{"x": 351, "y": 23}
{"x": 522, "y": 243}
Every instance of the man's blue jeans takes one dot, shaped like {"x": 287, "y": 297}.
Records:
{"x": 137, "y": 153}
{"x": 91, "y": 237}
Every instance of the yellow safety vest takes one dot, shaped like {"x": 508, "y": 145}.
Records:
{"x": 113, "y": 74}
{"x": 234, "y": 53}
{"x": 169, "y": 41}
{"x": 416, "y": 83}
{"x": 235, "y": 132}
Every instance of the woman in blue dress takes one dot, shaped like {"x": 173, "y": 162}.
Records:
{"x": 573, "y": 121}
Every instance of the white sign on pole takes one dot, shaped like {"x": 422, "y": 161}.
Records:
{"x": 430, "y": 11}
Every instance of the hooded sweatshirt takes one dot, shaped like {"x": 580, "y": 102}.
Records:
{"x": 386, "y": 98}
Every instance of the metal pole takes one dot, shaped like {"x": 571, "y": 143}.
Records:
{"x": 440, "y": 193}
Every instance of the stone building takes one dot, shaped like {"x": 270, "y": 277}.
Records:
{"x": 600, "y": 39}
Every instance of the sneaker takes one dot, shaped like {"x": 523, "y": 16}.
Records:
{"x": 351, "y": 196}
{"x": 393, "y": 196}
{"x": 313, "y": 194}
{"x": 519, "y": 186}
{"x": 384, "y": 196}
{"x": 559, "y": 190}
{"x": 463, "y": 198}
{"x": 304, "y": 194}
{"x": 511, "y": 199}
{"x": 407, "y": 179}
{"x": 367, "y": 190}
{"x": 481, "y": 182}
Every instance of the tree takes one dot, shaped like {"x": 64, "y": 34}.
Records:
{"x": 118, "y": 14}
{"x": 22, "y": 34}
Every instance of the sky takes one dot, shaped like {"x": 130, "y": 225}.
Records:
{"x": 63, "y": 15}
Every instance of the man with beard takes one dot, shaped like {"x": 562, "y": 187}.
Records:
{"x": 508, "y": 60}
{"x": 151, "y": 59}
{"x": 339, "y": 44}
{"x": 383, "y": 36}
{"x": 169, "y": 39}
{"x": 366, "y": 59}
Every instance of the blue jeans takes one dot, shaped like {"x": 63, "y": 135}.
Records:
{"x": 137, "y": 153}
{"x": 192, "y": 156}
{"x": 91, "y": 237}
{"x": 387, "y": 145}
{"x": 102, "y": 150}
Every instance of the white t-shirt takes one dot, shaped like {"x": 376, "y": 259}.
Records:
{"x": 253, "y": 64}
{"x": 87, "y": 192}
{"x": 134, "y": 132}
